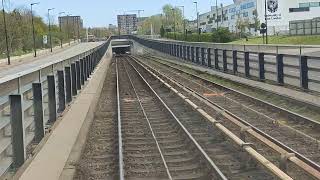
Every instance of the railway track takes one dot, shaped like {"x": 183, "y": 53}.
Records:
{"x": 233, "y": 117}
{"x": 144, "y": 129}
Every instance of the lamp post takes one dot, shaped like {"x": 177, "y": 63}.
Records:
{"x": 184, "y": 22}
{"x": 174, "y": 23}
{"x": 6, "y": 33}
{"x": 60, "y": 27}
{"x": 266, "y": 19}
{"x": 68, "y": 32}
{"x": 196, "y": 3}
{"x": 33, "y": 31}
{"x": 50, "y": 37}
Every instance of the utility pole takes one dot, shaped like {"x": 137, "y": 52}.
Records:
{"x": 6, "y": 33}
{"x": 79, "y": 21}
{"x": 217, "y": 22}
{"x": 33, "y": 31}
{"x": 50, "y": 37}
{"x": 198, "y": 32}
{"x": 266, "y": 19}
{"x": 68, "y": 30}
{"x": 60, "y": 27}
{"x": 174, "y": 23}
{"x": 184, "y": 22}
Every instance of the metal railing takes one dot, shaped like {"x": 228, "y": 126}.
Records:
{"x": 297, "y": 66}
{"x": 31, "y": 101}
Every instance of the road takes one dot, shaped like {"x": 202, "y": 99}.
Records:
{"x": 65, "y": 54}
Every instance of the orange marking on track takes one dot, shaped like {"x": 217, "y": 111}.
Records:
{"x": 213, "y": 94}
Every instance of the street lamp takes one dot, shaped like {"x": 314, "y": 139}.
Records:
{"x": 184, "y": 22}
{"x": 33, "y": 31}
{"x": 6, "y": 32}
{"x": 50, "y": 28}
{"x": 196, "y": 3}
{"x": 174, "y": 23}
{"x": 60, "y": 27}
{"x": 68, "y": 32}
{"x": 266, "y": 19}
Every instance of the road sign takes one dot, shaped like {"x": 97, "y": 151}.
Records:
{"x": 45, "y": 39}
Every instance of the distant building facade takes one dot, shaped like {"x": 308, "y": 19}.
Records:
{"x": 252, "y": 13}
{"x": 72, "y": 25}
{"x": 127, "y": 24}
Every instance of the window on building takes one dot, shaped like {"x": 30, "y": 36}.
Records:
{"x": 309, "y": 4}
{"x": 245, "y": 14}
{"x": 314, "y": 4}
{"x": 302, "y": 9}
{"x": 233, "y": 16}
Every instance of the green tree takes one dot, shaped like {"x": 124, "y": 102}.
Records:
{"x": 162, "y": 31}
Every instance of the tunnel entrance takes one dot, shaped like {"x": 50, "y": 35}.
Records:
{"x": 121, "y": 46}
{"x": 121, "y": 50}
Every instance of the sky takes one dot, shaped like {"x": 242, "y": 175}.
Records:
{"x": 101, "y": 13}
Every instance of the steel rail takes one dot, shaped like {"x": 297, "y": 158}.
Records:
{"x": 314, "y": 122}
{"x": 229, "y": 89}
{"x": 245, "y": 146}
{"x": 120, "y": 141}
{"x": 149, "y": 125}
{"x": 301, "y": 161}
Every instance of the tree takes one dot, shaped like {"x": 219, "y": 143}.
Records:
{"x": 222, "y": 35}
{"x": 162, "y": 31}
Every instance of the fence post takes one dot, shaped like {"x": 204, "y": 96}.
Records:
{"x": 188, "y": 53}
{"x": 203, "y": 62}
{"x": 216, "y": 59}
{"x": 209, "y": 57}
{"x": 38, "y": 111}
{"x": 61, "y": 92}
{"x": 192, "y": 53}
{"x": 304, "y": 72}
{"x": 224, "y": 59}
{"x": 261, "y": 67}
{"x": 197, "y": 55}
{"x": 280, "y": 78}
{"x": 52, "y": 99}
{"x": 246, "y": 64}
{"x": 78, "y": 75}
{"x": 68, "y": 84}
{"x": 17, "y": 130}
{"x": 235, "y": 61}
{"x": 82, "y": 71}
{"x": 73, "y": 79}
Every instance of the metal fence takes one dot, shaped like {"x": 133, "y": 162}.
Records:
{"x": 305, "y": 27}
{"x": 30, "y": 102}
{"x": 297, "y": 66}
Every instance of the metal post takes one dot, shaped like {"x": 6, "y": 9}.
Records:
{"x": 68, "y": 84}
{"x": 261, "y": 67}
{"x": 246, "y": 64}
{"x": 33, "y": 31}
{"x": 61, "y": 91}
{"x": 17, "y": 130}
{"x": 74, "y": 79}
{"x": 216, "y": 59}
{"x": 188, "y": 53}
{"x": 192, "y": 53}
{"x": 38, "y": 111}
{"x": 197, "y": 55}
{"x": 224, "y": 60}
{"x": 52, "y": 99}
{"x": 82, "y": 71}
{"x": 50, "y": 36}
{"x": 235, "y": 61}
{"x": 203, "y": 60}
{"x": 209, "y": 57}
{"x": 78, "y": 70}
{"x": 304, "y": 72}
{"x": 280, "y": 74}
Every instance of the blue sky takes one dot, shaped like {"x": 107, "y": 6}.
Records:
{"x": 98, "y": 13}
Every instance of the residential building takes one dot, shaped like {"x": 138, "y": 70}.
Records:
{"x": 127, "y": 24}
{"x": 72, "y": 25}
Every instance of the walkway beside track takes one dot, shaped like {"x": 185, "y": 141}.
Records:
{"x": 51, "y": 159}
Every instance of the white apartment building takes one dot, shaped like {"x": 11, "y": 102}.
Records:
{"x": 279, "y": 14}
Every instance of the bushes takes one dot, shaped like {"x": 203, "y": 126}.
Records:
{"x": 222, "y": 35}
